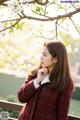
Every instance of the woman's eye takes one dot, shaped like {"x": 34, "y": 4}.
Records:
{"x": 45, "y": 55}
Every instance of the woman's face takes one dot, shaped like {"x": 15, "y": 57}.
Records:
{"x": 47, "y": 61}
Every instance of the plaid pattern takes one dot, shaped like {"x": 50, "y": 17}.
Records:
{"x": 43, "y": 103}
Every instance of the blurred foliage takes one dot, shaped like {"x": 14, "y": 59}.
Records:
{"x": 18, "y": 56}
{"x": 22, "y": 56}
{"x": 12, "y": 113}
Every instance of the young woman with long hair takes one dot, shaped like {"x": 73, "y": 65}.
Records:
{"x": 48, "y": 89}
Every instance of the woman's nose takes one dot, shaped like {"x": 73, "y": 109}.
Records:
{"x": 41, "y": 58}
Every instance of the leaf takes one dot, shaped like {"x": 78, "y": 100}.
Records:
{"x": 11, "y": 30}
{"x": 22, "y": 23}
{"x": 5, "y": 24}
{"x": 38, "y": 9}
{"x": 62, "y": 19}
{"x": 46, "y": 12}
{"x": 19, "y": 25}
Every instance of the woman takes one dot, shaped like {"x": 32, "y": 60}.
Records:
{"x": 48, "y": 90}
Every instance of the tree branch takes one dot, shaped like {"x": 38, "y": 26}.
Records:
{"x": 74, "y": 6}
{"x": 10, "y": 20}
{"x": 37, "y": 1}
{"x": 42, "y": 36}
{"x": 41, "y": 15}
{"x": 10, "y": 26}
{"x": 56, "y": 29}
{"x": 2, "y": 2}
{"x": 41, "y": 3}
{"x": 53, "y": 18}
{"x": 74, "y": 25}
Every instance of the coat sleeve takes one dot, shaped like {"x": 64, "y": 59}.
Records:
{"x": 26, "y": 91}
{"x": 63, "y": 104}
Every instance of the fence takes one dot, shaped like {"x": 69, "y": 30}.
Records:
{"x": 17, "y": 107}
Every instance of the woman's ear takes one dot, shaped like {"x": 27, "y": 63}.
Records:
{"x": 55, "y": 60}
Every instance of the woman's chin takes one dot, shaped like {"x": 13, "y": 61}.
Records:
{"x": 43, "y": 66}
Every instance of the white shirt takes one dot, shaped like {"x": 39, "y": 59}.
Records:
{"x": 45, "y": 80}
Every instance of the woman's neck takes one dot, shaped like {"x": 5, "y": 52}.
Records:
{"x": 50, "y": 68}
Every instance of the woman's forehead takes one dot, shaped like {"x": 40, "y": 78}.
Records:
{"x": 45, "y": 50}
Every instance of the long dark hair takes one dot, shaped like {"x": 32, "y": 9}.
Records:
{"x": 61, "y": 71}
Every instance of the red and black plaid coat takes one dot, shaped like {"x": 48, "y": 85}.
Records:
{"x": 43, "y": 103}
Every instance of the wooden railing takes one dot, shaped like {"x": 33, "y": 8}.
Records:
{"x": 17, "y": 107}
{"x": 10, "y": 106}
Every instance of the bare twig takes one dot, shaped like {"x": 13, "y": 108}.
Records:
{"x": 56, "y": 23}
{"x": 74, "y": 25}
{"x": 74, "y": 6}
{"x": 38, "y": 36}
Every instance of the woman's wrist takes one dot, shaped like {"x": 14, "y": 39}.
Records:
{"x": 38, "y": 81}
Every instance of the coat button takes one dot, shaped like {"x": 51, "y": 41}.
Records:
{"x": 44, "y": 88}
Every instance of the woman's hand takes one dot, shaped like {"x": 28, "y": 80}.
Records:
{"x": 41, "y": 73}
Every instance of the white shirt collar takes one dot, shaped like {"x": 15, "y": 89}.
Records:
{"x": 45, "y": 79}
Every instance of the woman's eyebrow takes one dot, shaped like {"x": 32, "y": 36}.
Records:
{"x": 44, "y": 53}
